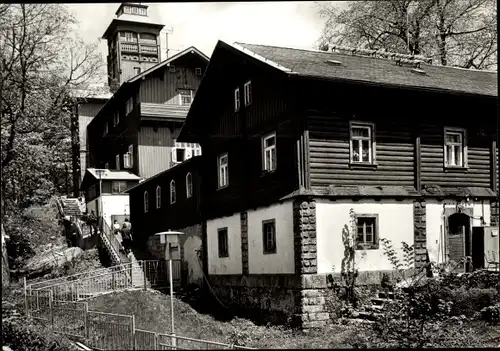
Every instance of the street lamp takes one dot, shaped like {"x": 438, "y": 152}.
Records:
{"x": 100, "y": 173}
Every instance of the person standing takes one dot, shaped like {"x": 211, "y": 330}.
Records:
{"x": 126, "y": 236}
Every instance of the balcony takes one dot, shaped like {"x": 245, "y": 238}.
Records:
{"x": 149, "y": 50}
{"x": 129, "y": 48}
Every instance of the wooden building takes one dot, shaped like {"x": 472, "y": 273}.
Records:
{"x": 136, "y": 129}
{"x": 171, "y": 200}
{"x": 293, "y": 140}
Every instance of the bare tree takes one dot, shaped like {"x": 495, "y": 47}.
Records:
{"x": 452, "y": 32}
{"x": 41, "y": 61}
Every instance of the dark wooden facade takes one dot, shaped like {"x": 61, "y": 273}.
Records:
{"x": 183, "y": 213}
{"x": 311, "y": 118}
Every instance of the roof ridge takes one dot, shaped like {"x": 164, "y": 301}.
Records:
{"x": 402, "y": 56}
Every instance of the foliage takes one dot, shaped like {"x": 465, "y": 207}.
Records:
{"x": 451, "y": 32}
{"x": 26, "y": 336}
{"x": 386, "y": 282}
{"x": 41, "y": 63}
{"x": 491, "y": 314}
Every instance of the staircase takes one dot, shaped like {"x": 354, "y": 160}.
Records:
{"x": 71, "y": 207}
{"x": 373, "y": 310}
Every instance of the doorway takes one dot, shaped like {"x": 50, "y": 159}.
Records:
{"x": 459, "y": 240}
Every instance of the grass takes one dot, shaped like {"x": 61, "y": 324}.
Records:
{"x": 152, "y": 313}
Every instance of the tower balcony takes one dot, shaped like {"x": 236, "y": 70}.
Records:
{"x": 129, "y": 48}
{"x": 149, "y": 49}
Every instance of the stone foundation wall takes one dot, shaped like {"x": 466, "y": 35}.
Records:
{"x": 420, "y": 233}
{"x": 263, "y": 298}
{"x": 494, "y": 208}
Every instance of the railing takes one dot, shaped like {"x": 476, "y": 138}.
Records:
{"x": 139, "y": 274}
{"x": 149, "y": 49}
{"x": 109, "y": 233}
{"x": 129, "y": 47}
{"x": 58, "y": 306}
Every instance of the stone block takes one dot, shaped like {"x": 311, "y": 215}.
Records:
{"x": 320, "y": 300}
{"x": 310, "y": 293}
{"x": 313, "y": 281}
{"x": 321, "y": 316}
{"x": 304, "y": 205}
{"x": 313, "y": 308}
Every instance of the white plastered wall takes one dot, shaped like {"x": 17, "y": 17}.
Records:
{"x": 224, "y": 265}
{"x": 395, "y": 224}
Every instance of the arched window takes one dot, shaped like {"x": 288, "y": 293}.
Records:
{"x": 158, "y": 196}
{"x": 189, "y": 185}
{"x": 146, "y": 202}
{"x": 172, "y": 192}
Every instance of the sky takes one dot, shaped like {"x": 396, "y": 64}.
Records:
{"x": 293, "y": 24}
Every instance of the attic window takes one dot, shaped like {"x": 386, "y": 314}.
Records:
{"x": 334, "y": 62}
{"x": 418, "y": 71}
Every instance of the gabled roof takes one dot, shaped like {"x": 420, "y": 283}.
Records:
{"x": 374, "y": 70}
{"x": 91, "y": 174}
{"x": 189, "y": 50}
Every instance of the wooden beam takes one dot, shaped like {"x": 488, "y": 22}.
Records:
{"x": 307, "y": 159}
{"x": 494, "y": 166}
{"x": 418, "y": 162}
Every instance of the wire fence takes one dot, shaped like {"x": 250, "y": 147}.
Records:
{"x": 107, "y": 331}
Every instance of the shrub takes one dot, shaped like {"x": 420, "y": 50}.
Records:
{"x": 27, "y": 337}
{"x": 491, "y": 314}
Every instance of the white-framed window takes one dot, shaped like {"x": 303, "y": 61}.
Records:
{"x": 455, "y": 147}
{"x": 172, "y": 192}
{"x": 222, "y": 163}
{"x": 236, "y": 99}
{"x": 137, "y": 70}
{"x": 367, "y": 232}
{"x": 129, "y": 106}
{"x": 146, "y": 202}
{"x": 362, "y": 143}
{"x": 158, "y": 196}
{"x": 118, "y": 186}
{"x": 129, "y": 36}
{"x": 269, "y": 153}
{"x": 248, "y": 93}
{"x": 185, "y": 97}
{"x": 117, "y": 160}
{"x": 197, "y": 150}
{"x": 269, "y": 236}
{"x": 197, "y": 71}
{"x": 128, "y": 157}
{"x": 189, "y": 185}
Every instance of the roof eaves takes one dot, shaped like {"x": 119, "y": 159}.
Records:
{"x": 259, "y": 57}
{"x": 389, "y": 85}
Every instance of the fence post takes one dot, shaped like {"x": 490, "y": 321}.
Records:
{"x": 26, "y": 298}
{"x": 133, "y": 332}
{"x": 174, "y": 339}
{"x": 51, "y": 309}
{"x": 144, "y": 272}
{"x": 155, "y": 341}
{"x": 85, "y": 320}
{"x": 113, "y": 282}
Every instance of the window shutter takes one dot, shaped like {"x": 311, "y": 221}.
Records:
{"x": 174, "y": 154}
{"x": 189, "y": 153}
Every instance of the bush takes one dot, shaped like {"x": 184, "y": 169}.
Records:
{"x": 491, "y": 314}
{"x": 28, "y": 337}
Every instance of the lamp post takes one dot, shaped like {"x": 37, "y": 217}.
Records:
{"x": 100, "y": 173}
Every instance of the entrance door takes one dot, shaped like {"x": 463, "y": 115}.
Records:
{"x": 459, "y": 240}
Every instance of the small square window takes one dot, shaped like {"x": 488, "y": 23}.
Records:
{"x": 367, "y": 232}
{"x": 180, "y": 154}
{"x": 118, "y": 187}
{"x": 362, "y": 146}
{"x": 455, "y": 150}
{"x": 137, "y": 70}
{"x": 197, "y": 71}
{"x": 222, "y": 238}
{"x": 269, "y": 236}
